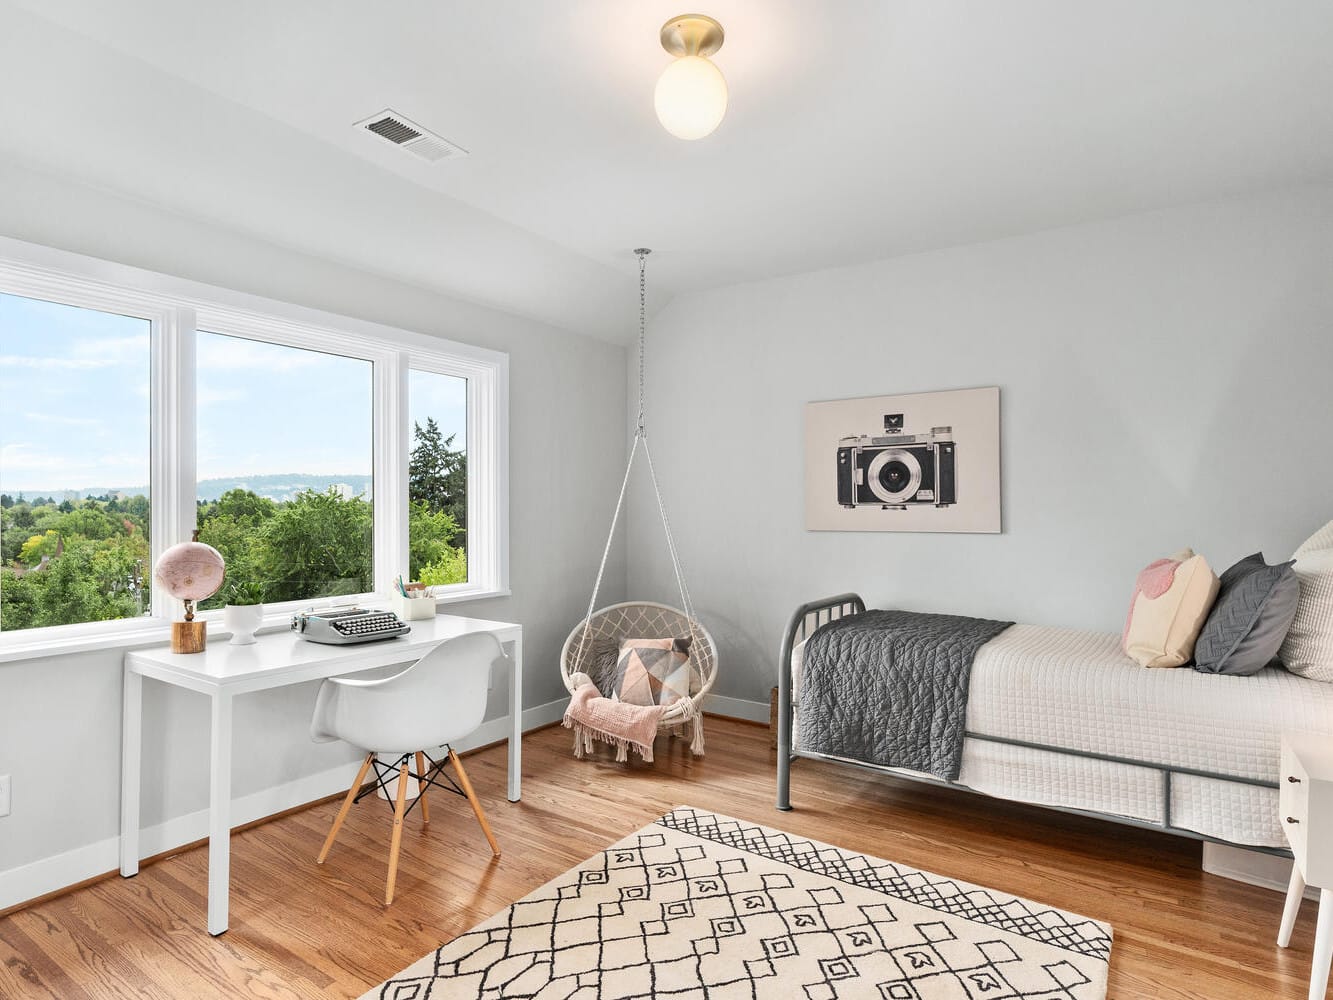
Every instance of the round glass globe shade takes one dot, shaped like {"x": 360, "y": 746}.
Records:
{"x": 691, "y": 97}
{"x": 190, "y": 571}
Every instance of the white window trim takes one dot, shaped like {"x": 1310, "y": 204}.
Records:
{"x": 177, "y": 307}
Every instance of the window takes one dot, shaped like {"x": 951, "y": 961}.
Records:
{"x": 323, "y": 456}
{"x": 74, "y": 464}
{"x": 437, "y": 478}
{"x": 285, "y": 469}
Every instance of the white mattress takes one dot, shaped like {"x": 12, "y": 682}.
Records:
{"x": 1075, "y": 689}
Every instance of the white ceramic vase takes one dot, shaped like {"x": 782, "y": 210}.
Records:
{"x": 243, "y": 621}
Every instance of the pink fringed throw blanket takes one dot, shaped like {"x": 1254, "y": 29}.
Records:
{"x": 593, "y": 717}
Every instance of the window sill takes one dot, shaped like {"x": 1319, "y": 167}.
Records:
{"x": 160, "y": 632}
{"x": 120, "y": 639}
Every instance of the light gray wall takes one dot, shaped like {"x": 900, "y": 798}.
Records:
{"x": 60, "y": 717}
{"x": 1165, "y": 381}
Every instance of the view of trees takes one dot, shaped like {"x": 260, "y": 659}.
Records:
{"x": 89, "y": 559}
{"x": 73, "y": 561}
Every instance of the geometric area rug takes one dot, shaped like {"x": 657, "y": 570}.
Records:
{"x": 699, "y": 906}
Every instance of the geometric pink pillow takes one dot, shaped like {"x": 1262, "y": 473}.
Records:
{"x": 1172, "y": 598}
{"x": 656, "y": 671}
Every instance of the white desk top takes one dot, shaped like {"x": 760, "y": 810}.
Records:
{"x": 280, "y": 658}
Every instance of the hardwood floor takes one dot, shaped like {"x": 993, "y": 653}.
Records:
{"x": 301, "y": 930}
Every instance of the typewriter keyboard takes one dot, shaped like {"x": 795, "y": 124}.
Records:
{"x": 367, "y": 624}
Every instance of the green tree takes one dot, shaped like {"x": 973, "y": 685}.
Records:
{"x": 21, "y": 600}
{"x": 38, "y": 546}
{"x": 244, "y": 505}
{"x": 76, "y": 587}
{"x": 437, "y": 475}
{"x": 89, "y": 522}
{"x": 451, "y": 568}
{"x": 234, "y": 525}
{"x": 318, "y": 544}
{"x": 430, "y": 535}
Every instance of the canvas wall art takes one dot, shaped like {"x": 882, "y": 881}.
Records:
{"x": 926, "y": 461}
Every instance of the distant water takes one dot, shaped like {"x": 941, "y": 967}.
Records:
{"x": 276, "y": 487}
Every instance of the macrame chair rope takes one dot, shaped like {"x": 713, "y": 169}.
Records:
{"x": 611, "y": 622}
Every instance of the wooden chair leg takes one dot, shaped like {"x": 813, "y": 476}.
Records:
{"x": 472, "y": 800}
{"x": 346, "y": 806}
{"x": 421, "y": 788}
{"x": 397, "y": 840}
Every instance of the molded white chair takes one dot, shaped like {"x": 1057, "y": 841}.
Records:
{"x": 437, "y": 700}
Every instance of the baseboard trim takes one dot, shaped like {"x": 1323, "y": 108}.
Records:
{"x": 1263, "y": 870}
{"x": 59, "y": 873}
{"x": 736, "y": 708}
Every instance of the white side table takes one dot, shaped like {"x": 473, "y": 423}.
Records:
{"x": 1305, "y": 796}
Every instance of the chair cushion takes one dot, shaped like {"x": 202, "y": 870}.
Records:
{"x": 1308, "y": 647}
{"x": 655, "y": 671}
{"x": 1172, "y": 598}
{"x": 1254, "y": 609}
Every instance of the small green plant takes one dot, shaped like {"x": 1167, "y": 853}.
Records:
{"x": 244, "y": 592}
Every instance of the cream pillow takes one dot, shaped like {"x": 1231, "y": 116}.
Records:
{"x": 1308, "y": 648}
{"x": 1172, "y": 598}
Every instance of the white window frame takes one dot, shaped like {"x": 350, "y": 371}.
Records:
{"x": 176, "y": 309}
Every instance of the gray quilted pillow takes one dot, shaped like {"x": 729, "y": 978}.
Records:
{"x": 1254, "y": 609}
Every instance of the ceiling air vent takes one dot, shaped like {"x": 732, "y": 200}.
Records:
{"x": 407, "y": 134}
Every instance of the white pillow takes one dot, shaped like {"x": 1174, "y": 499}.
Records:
{"x": 1308, "y": 648}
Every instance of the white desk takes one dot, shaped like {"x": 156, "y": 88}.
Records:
{"x": 278, "y": 659}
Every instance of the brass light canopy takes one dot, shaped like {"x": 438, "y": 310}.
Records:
{"x": 691, "y": 94}
{"x": 692, "y": 35}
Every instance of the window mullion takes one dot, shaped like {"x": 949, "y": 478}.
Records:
{"x": 390, "y": 469}
{"x": 173, "y": 448}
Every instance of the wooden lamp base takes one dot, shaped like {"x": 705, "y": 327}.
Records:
{"x": 189, "y": 637}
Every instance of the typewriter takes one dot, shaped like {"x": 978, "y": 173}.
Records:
{"x": 344, "y": 626}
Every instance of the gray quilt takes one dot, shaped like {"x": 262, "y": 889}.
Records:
{"x": 890, "y": 687}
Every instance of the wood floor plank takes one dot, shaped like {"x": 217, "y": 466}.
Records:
{"x": 301, "y": 930}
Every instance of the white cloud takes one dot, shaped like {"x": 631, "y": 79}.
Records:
{"x": 222, "y": 353}
{"x": 208, "y": 395}
{"x": 117, "y": 349}
{"x": 64, "y": 421}
{"x": 53, "y": 364}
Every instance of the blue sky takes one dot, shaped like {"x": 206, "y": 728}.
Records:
{"x": 74, "y": 403}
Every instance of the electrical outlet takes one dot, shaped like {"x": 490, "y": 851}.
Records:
{"x": 4, "y": 795}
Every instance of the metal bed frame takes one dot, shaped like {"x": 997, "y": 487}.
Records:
{"x": 809, "y": 617}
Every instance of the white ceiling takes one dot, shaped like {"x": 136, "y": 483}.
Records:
{"x": 858, "y": 129}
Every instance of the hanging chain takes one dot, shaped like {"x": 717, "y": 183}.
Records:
{"x": 642, "y": 254}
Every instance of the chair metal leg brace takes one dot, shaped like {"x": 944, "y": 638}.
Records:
{"x": 426, "y": 777}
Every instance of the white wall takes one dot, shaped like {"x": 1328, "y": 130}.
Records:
{"x": 60, "y": 717}
{"x": 1165, "y": 381}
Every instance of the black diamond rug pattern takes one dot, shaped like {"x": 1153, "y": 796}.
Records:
{"x": 704, "y": 907}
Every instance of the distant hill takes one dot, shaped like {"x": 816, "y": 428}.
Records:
{"x": 282, "y": 486}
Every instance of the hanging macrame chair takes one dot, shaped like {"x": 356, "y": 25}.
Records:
{"x": 646, "y": 619}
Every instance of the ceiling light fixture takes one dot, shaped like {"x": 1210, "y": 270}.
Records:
{"x": 691, "y": 94}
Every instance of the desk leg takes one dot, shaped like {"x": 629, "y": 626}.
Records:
{"x": 131, "y": 751}
{"x": 516, "y": 721}
{"x": 1323, "y": 946}
{"x": 219, "y": 814}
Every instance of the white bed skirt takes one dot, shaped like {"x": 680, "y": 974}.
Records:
{"x": 1075, "y": 689}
